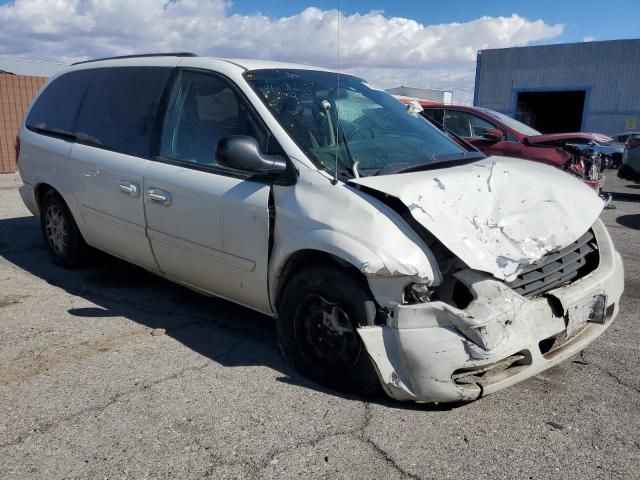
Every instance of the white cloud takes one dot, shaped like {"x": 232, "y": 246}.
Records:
{"x": 395, "y": 49}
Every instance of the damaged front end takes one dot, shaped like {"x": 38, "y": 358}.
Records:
{"x": 587, "y": 164}
{"x": 480, "y": 334}
{"x": 526, "y": 282}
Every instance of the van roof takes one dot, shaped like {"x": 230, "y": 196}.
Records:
{"x": 186, "y": 59}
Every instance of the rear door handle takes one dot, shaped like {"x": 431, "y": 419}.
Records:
{"x": 159, "y": 196}
{"x": 131, "y": 189}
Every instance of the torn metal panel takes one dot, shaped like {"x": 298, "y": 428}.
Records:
{"x": 438, "y": 353}
{"x": 491, "y": 214}
{"x": 351, "y": 225}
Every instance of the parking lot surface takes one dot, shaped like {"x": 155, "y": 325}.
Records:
{"x": 111, "y": 372}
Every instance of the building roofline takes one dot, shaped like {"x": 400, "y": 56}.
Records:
{"x": 569, "y": 44}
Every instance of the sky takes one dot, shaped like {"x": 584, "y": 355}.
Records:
{"x": 419, "y": 43}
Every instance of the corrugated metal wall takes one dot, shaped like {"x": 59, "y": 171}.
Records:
{"x": 16, "y": 93}
{"x": 608, "y": 71}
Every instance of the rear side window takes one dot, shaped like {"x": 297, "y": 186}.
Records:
{"x": 119, "y": 110}
{"x": 56, "y": 108}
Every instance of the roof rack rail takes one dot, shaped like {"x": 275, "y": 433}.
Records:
{"x": 143, "y": 55}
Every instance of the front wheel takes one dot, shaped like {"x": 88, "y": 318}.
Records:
{"x": 320, "y": 310}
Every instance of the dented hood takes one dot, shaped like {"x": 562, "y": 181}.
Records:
{"x": 569, "y": 137}
{"x": 498, "y": 215}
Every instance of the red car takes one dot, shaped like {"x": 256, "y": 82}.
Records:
{"x": 494, "y": 133}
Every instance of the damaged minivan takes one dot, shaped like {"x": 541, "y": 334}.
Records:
{"x": 391, "y": 255}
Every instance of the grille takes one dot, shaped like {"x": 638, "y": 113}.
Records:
{"x": 558, "y": 268}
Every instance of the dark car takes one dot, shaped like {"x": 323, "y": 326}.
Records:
{"x": 630, "y": 169}
{"x": 494, "y": 133}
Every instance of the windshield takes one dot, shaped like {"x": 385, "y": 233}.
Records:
{"x": 355, "y": 124}
{"x": 511, "y": 123}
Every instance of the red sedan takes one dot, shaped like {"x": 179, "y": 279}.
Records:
{"x": 494, "y": 133}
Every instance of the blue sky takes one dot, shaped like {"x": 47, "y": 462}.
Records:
{"x": 420, "y": 43}
{"x": 609, "y": 20}
{"x": 613, "y": 19}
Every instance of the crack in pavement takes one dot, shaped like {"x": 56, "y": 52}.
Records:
{"x": 54, "y": 423}
{"x": 358, "y": 433}
{"x": 609, "y": 373}
{"x": 386, "y": 456}
{"x": 312, "y": 442}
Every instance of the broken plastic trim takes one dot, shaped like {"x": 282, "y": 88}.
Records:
{"x": 494, "y": 372}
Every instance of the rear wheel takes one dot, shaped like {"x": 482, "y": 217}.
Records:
{"x": 320, "y": 310}
{"x": 60, "y": 232}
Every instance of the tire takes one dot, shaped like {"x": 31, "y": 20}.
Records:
{"x": 60, "y": 232}
{"x": 319, "y": 311}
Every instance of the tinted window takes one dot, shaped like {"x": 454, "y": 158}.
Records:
{"x": 465, "y": 124}
{"x": 120, "y": 108}
{"x": 458, "y": 123}
{"x": 436, "y": 114}
{"x": 56, "y": 108}
{"x": 479, "y": 126}
{"x": 203, "y": 109}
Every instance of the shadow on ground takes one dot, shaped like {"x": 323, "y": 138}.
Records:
{"x": 629, "y": 221}
{"x": 625, "y": 197}
{"x": 119, "y": 289}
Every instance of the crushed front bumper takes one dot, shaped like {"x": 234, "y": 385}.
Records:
{"x": 434, "y": 352}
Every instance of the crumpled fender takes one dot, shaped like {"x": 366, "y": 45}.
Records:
{"x": 342, "y": 221}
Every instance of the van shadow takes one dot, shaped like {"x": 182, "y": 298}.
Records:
{"x": 222, "y": 331}
{"x": 629, "y": 221}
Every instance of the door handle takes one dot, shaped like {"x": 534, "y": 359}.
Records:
{"x": 130, "y": 188}
{"x": 159, "y": 196}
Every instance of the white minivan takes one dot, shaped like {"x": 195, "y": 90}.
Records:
{"x": 390, "y": 253}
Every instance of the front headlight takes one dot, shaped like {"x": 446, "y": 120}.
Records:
{"x": 417, "y": 293}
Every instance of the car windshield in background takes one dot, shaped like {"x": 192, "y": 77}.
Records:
{"x": 511, "y": 122}
{"x": 355, "y": 123}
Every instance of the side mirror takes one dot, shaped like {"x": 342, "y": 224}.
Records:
{"x": 243, "y": 153}
{"x": 493, "y": 135}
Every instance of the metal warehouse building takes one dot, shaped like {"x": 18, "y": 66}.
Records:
{"x": 591, "y": 86}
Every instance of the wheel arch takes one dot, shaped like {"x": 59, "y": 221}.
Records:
{"x": 40, "y": 191}
{"x": 305, "y": 258}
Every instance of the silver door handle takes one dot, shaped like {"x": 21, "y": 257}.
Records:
{"x": 159, "y": 196}
{"x": 130, "y": 189}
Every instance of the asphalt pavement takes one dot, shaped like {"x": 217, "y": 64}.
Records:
{"x": 112, "y": 372}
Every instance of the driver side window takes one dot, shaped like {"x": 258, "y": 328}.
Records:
{"x": 479, "y": 126}
{"x": 203, "y": 109}
{"x": 465, "y": 124}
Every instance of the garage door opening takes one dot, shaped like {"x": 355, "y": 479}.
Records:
{"x": 552, "y": 112}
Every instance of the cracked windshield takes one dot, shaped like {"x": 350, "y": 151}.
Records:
{"x": 365, "y": 129}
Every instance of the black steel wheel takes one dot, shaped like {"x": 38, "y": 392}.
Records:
{"x": 320, "y": 311}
